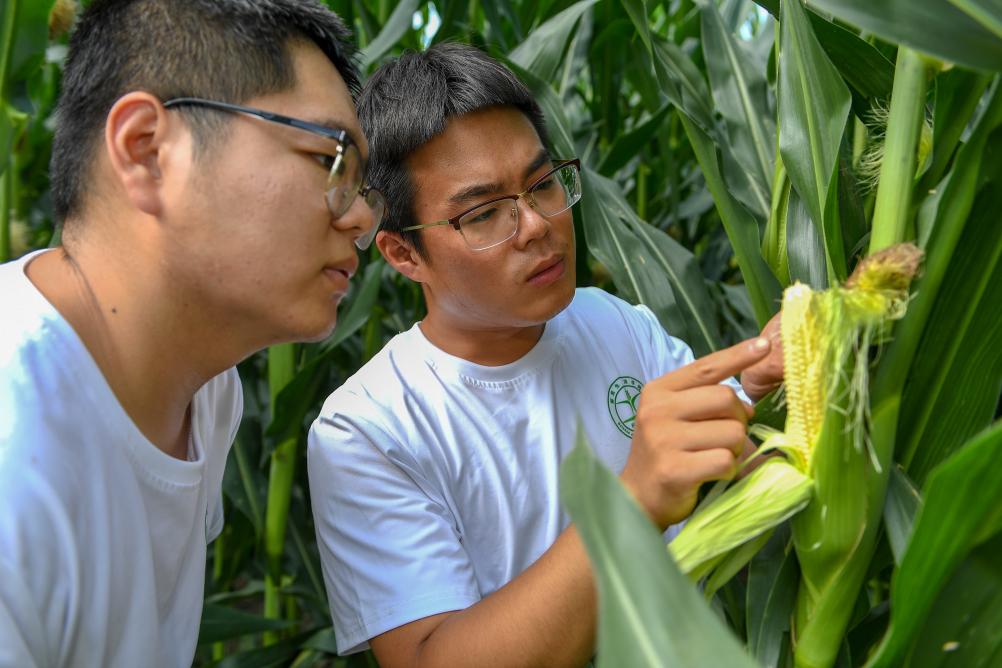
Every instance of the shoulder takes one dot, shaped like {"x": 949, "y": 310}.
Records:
{"x": 615, "y": 323}
{"x": 594, "y": 308}
{"x": 368, "y": 411}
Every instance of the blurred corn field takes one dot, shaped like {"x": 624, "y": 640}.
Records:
{"x": 729, "y": 150}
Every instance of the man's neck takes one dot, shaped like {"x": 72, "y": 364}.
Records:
{"x": 486, "y": 345}
{"x": 153, "y": 362}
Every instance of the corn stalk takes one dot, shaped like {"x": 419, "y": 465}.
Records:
{"x": 281, "y": 370}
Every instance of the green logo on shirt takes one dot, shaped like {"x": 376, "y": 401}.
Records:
{"x": 623, "y": 395}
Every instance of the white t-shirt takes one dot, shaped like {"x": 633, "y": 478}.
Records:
{"x": 434, "y": 480}
{"x": 102, "y": 535}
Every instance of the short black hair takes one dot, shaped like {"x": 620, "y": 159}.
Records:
{"x": 227, "y": 50}
{"x": 409, "y": 101}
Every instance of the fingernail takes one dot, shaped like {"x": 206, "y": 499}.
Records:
{"x": 760, "y": 344}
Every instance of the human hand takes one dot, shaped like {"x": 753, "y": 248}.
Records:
{"x": 766, "y": 375}
{"x": 689, "y": 429}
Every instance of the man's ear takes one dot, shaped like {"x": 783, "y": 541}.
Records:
{"x": 134, "y": 135}
{"x": 401, "y": 255}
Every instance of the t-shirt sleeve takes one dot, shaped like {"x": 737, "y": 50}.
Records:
{"x": 224, "y": 402}
{"x": 391, "y": 552}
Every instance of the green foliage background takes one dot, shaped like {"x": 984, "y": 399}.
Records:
{"x": 701, "y": 200}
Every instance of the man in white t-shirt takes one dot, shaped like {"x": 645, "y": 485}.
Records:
{"x": 202, "y": 221}
{"x": 433, "y": 470}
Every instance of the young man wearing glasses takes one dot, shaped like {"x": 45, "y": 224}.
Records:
{"x": 433, "y": 470}
{"x": 207, "y": 169}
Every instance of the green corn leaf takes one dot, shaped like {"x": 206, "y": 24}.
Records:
{"x": 964, "y": 625}
{"x": 650, "y": 615}
{"x": 627, "y": 146}
{"x": 541, "y": 51}
{"x": 805, "y": 249}
{"x": 985, "y": 12}
{"x": 959, "y": 513}
{"x": 957, "y": 95}
{"x": 280, "y": 653}
{"x": 557, "y": 123}
{"x": 931, "y": 26}
{"x": 684, "y": 85}
{"x": 741, "y": 96}
{"x": 647, "y": 264}
{"x": 395, "y": 27}
{"x": 860, "y": 63}
{"x": 902, "y": 503}
{"x": 773, "y": 577}
{"x": 637, "y": 9}
{"x": 741, "y": 227}
{"x": 774, "y": 248}
{"x": 813, "y": 109}
{"x": 223, "y": 623}
{"x": 936, "y": 418}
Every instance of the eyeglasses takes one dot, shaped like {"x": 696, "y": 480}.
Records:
{"x": 344, "y": 181}
{"x": 494, "y": 222}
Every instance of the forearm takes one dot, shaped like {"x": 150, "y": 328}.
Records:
{"x": 544, "y": 617}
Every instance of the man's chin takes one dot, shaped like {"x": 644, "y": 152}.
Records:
{"x": 555, "y": 303}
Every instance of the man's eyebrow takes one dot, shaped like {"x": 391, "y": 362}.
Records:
{"x": 541, "y": 159}
{"x": 479, "y": 190}
{"x": 475, "y": 191}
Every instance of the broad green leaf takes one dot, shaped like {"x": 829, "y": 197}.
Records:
{"x": 959, "y": 189}
{"x": 684, "y": 85}
{"x": 741, "y": 96}
{"x": 964, "y": 626}
{"x": 773, "y": 577}
{"x": 637, "y": 9}
{"x": 662, "y": 257}
{"x": 541, "y": 51}
{"x": 937, "y": 416}
{"x": 774, "y": 239}
{"x": 274, "y": 656}
{"x": 957, "y": 95}
{"x": 860, "y": 63}
{"x": 395, "y": 27}
{"x": 679, "y": 265}
{"x": 985, "y": 12}
{"x": 222, "y": 623}
{"x": 813, "y": 109}
{"x": 647, "y": 265}
{"x": 31, "y": 37}
{"x": 650, "y": 615}
{"x": 960, "y": 512}
{"x": 931, "y": 26}
{"x": 900, "y": 507}
{"x": 557, "y": 124}
{"x": 627, "y": 146}
{"x": 742, "y": 229}
{"x": 805, "y": 249}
